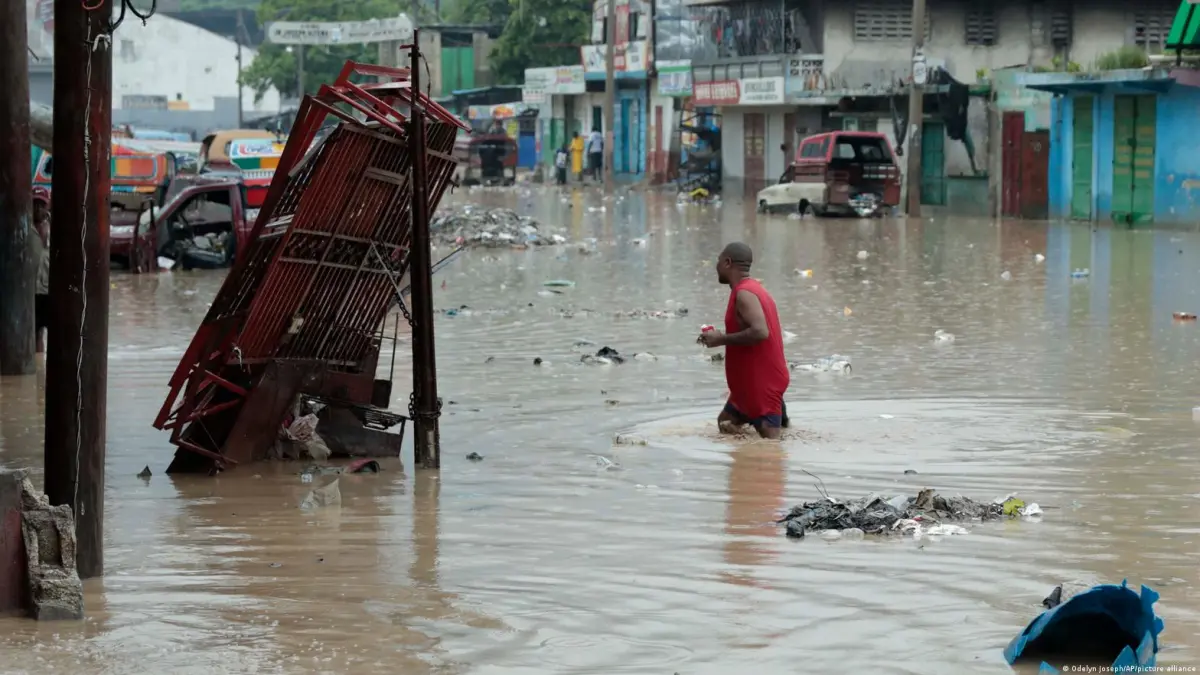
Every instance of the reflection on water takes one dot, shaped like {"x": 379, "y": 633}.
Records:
{"x": 1074, "y": 393}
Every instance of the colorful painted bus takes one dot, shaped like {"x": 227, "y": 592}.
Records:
{"x": 137, "y": 174}
{"x": 257, "y": 159}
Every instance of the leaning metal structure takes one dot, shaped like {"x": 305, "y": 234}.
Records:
{"x": 302, "y": 312}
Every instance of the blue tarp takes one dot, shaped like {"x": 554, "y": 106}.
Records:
{"x": 1091, "y": 625}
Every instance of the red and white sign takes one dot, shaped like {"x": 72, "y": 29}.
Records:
{"x": 721, "y": 92}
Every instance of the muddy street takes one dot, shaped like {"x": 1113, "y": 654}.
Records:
{"x": 608, "y": 529}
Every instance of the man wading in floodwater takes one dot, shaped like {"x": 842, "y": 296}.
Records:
{"x": 755, "y": 369}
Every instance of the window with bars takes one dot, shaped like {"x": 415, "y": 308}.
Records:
{"x": 980, "y": 26}
{"x": 884, "y": 20}
{"x": 1060, "y": 27}
{"x": 1152, "y": 25}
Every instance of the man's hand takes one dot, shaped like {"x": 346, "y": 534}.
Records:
{"x": 711, "y": 338}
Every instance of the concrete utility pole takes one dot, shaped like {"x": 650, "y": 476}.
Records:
{"x": 610, "y": 94}
{"x": 77, "y": 351}
{"x": 916, "y": 109}
{"x": 241, "y": 32}
{"x": 18, "y": 269}
{"x": 427, "y": 452}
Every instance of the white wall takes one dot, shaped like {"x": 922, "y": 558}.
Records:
{"x": 1023, "y": 39}
{"x": 172, "y": 58}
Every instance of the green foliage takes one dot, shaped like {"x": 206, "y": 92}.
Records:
{"x": 276, "y": 67}
{"x": 1124, "y": 58}
{"x": 478, "y": 12}
{"x": 541, "y": 33}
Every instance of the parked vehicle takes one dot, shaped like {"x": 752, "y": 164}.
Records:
{"x": 841, "y": 172}
{"x": 137, "y": 174}
{"x": 491, "y": 159}
{"x": 203, "y": 224}
{"x": 257, "y": 159}
{"x": 214, "y": 149}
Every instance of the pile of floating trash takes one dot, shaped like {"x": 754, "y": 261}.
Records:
{"x": 481, "y": 226}
{"x": 927, "y": 514}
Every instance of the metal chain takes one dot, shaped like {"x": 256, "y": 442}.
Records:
{"x": 404, "y": 310}
{"x": 412, "y": 407}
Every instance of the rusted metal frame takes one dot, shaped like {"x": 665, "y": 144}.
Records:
{"x": 431, "y": 108}
{"x": 373, "y": 70}
{"x": 376, "y": 101}
{"x": 212, "y": 337}
{"x": 364, "y": 110}
{"x": 220, "y": 459}
{"x": 334, "y": 111}
{"x": 366, "y": 131}
{"x": 224, "y": 383}
{"x": 346, "y": 237}
{"x": 338, "y": 225}
{"x": 307, "y": 128}
{"x": 337, "y": 266}
{"x": 205, "y": 412}
{"x": 354, "y": 280}
{"x": 399, "y": 180}
{"x": 258, "y": 303}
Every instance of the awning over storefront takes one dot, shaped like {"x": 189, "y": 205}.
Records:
{"x": 1138, "y": 80}
{"x": 1185, "y": 31}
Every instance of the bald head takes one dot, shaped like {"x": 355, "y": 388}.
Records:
{"x": 734, "y": 262}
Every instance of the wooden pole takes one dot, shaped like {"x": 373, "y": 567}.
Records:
{"x": 426, "y": 407}
{"x": 610, "y": 94}
{"x": 77, "y": 349}
{"x": 916, "y": 112}
{"x": 18, "y": 269}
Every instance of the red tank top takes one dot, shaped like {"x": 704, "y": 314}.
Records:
{"x": 757, "y": 374}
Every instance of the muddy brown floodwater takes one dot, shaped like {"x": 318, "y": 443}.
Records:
{"x": 1074, "y": 394}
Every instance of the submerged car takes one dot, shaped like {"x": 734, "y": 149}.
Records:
{"x": 837, "y": 173}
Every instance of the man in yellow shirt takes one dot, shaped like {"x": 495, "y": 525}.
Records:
{"x": 577, "y": 156}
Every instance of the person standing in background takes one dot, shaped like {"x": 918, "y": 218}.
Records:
{"x": 560, "y": 165}
{"x": 595, "y": 149}
{"x": 577, "y": 156}
{"x": 41, "y": 251}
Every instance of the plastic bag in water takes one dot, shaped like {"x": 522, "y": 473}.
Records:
{"x": 835, "y": 363}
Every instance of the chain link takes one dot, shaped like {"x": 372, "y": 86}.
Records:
{"x": 412, "y": 407}
{"x": 404, "y": 310}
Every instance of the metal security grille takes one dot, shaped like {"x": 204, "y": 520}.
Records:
{"x": 980, "y": 26}
{"x": 1060, "y": 27}
{"x": 1151, "y": 25}
{"x": 884, "y": 20}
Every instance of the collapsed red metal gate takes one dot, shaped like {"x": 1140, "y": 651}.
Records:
{"x": 302, "y": 309}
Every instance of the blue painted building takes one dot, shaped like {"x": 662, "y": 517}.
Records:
{"x": 632, "y": 63}
{"x": 1124, "y": 145}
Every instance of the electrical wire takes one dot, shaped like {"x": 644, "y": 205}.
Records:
{"x": 126, "y": 5}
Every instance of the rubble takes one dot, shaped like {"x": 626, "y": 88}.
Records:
{"x": 55, "y": 591}
{"x": 926, "y": 514}
{"x": 480, "y": 226}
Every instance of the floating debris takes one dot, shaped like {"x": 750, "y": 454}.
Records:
{"x": 835, "y": 363}
{"x": 942, "y": 337}
{"x": 927, "y": 514}
{"x": 676, "y": 313}
{"x": 144, "y": 474}
{"x": 474, "y": 225}
{"x": 475, "y": 457}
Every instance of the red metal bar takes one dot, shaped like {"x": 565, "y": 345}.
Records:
{"x": 213, "y": 377}
{"x": 205, "y": 412}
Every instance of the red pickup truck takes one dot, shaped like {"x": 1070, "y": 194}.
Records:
{"x": 202, "y": 223}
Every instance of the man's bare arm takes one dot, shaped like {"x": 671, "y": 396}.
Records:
{"x": 750, "y": 314}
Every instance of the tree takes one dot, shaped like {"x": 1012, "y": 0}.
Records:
{"x": 479, "y": 12}
{"x": 541, "y": 33}
{"x": 277, "y": 66}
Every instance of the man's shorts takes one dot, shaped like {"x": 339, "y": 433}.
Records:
{"x": 769, "y": 421}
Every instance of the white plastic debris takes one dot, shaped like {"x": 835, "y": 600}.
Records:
{"x": 907, "y": 526}
{"x": 942, "y": 336}
{"x": 644, "y": 356}
{"x": 165, "y": 263}
{"x": 804, "y": 274}
{"x": 1038, "y": 257}
{"x": 1006, "y": 275}
{"x": 853, "y": 534}
{"x": 831, "y": 535}
{"x": 605, "y": 464}
{"x": 863, "y": 255}
{"x": 1030, "y": 511}
{"x": 788, "y": 337}
{"x": 328, "y": 495}
{"x": 945, "y": 529}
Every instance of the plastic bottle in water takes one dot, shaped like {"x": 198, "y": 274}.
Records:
{"x": 1081, "y": 273}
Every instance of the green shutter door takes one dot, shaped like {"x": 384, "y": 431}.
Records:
{"x": 1081, "y": 158}
{"x": 933, "y": 164}
{"x": 449, "y": 70}
{"x": 1143, "y": 159}
{"x": 1133, "y": 159}
{"x": 466, "y": 67}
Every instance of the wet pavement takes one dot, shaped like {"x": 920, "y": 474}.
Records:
{"x": 662, "y": 557}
